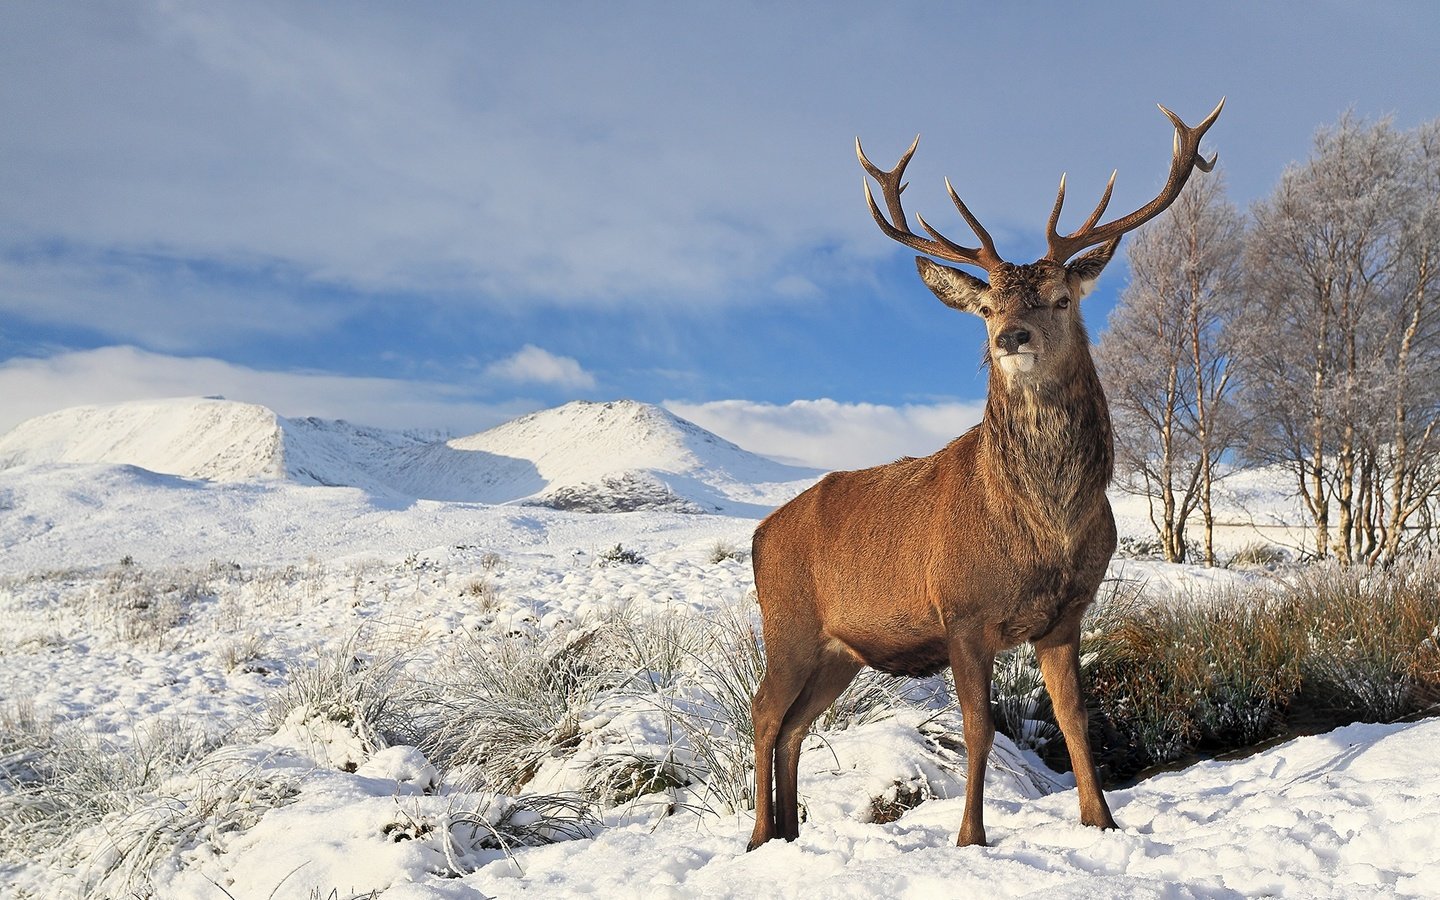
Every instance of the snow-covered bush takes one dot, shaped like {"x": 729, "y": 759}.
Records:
{"x": 1150, "y": 547}
{"x": 501, "y": 705}
{"x": 61, "y": 783}
{"x": 1021, "y": 703}
{"x": 619, "y": 555}
{"x": 139, "y": 606}
{"x": 346, "y": 691}
{"x": 715, "y": 719}
{"x": 724, "y": 550}
{"x": 1258, "y": 555}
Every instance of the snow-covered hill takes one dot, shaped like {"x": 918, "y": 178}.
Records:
{"x": 613, "y": 457}
{"x": 595, "y": 457}
{"x": 148, "y": 617}
{"x": 195, "y": 437}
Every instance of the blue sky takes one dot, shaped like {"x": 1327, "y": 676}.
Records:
{"x": 441, "y": 215}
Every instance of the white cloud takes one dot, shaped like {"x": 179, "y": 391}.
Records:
{"x": 390, "y": 152}
{"x": 163, "y": 304}
{"x": 833, "y": 435}
{"x": 32, "y": 387}
{"x": 534, "y": 365}
{"x": 499, "y": 151}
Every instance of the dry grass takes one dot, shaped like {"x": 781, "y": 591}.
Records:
{"x": 501, "y": 706}
{"x": 1225, "y": 672}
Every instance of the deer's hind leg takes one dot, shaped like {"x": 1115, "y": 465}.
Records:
{"x": 832, "y": 673}
{"x": 773, "y": 698}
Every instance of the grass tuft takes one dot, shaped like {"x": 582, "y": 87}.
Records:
{"x": 501, "y": 706}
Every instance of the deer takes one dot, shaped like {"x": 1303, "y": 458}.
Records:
{"x": 1000, "y": 538}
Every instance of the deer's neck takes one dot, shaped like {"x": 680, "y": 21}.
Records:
{"x": 1048, "y": 447}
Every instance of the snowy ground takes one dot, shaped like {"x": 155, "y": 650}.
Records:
{"x": 1348, "y": 814}
{"x": 261, "y": 580}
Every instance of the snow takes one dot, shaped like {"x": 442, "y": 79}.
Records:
{"x": 1346, "y": 814}
{"x": 239, "y": 575}
{"x": 616, "y": 456}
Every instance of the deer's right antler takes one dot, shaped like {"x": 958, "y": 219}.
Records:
{"x": 1185, "y": 160}
{"x": 938, "y": 245}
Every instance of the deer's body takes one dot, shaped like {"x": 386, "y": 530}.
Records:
{"x": 1000, "y": 538}
{"x": 1040, "y": 495}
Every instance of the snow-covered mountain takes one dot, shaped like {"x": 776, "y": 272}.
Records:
{"x": 594, "y": 457}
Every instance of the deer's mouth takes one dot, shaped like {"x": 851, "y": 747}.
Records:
{"x": 1017, "y": 361}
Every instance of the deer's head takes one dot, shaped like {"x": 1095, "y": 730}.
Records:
{"x": 1032, "y": 311}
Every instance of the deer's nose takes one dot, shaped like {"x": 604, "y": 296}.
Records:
{"x": 1012, "y": 340}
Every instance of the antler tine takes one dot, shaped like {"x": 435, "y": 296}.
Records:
{"x": 1094, "y": 216}
{"x": 890, "y": 183}
{"x": 897, "y": 227}
{"x": 986, "y": 244}
{"x": 1104, "y": 202}
{"x": 1186, "y": 158}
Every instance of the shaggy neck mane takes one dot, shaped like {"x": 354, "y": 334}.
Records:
{"x": 1048, "y": 446}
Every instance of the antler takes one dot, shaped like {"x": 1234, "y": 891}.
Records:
{"x": 941, "y": 246}
{"x": 1186, "y": 159}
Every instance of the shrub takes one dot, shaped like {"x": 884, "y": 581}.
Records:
{"x": 503, "y": 823}
{"x": 898, "y": 799}
{"x": 1151, "y": 548}
{"x": 503, "y": 705}
{"x": 719, "y": 733}
{"x": 621, "y": 777}
{"x": 1021, "y": 704}
{"x": 658, "y": 650}
{"x": 482, "y": 593}
{"x": 1258, "y": 555}
{"x": 60, "y": 781}
{"x": 1339, "y": 645}
{"x": 141, "y": 607}
{"x": 222, "y": 793}
{"x": 618, "y": 556}
{"x": 364, "y": 696}
{"x": 723, "y": 550}
{"x": 242, "y": 652}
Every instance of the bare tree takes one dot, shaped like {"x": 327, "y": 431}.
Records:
{"x": 1345, "y": 335}
{"x": 1168, "y": 361}
{"x": 1409, "y": 462}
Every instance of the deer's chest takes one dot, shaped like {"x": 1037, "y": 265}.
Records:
{"x": 1048, "y": 596}
{"x": 1022, "y": 594}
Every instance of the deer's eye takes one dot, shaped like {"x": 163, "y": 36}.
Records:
{"x": 985, "y": 312}
{"x": 1062, "y": 303}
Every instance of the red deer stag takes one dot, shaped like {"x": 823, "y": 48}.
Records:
{"x": 1002, "y": 537}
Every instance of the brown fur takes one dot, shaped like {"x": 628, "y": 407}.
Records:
{"x": 1001, "y": 537}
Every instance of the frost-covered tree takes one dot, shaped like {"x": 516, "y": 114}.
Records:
{"x": 1407, "y": 452}
{"x": 1341, "y": 329}
{"x": 1168, "y": 360}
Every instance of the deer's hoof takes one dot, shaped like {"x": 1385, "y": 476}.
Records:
{"x": 1104, "y": 821}
{"x": 974, "y": 839}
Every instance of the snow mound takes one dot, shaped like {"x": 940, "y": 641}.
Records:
{"x": 591, "y": 457}
{"x": 624, "y": 455}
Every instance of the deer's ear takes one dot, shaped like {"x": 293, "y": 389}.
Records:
{"x": 1085, "y": 271}
{"x": 956, "y": 289}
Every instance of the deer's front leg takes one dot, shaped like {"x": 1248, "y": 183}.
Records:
{"x": 1059, "y": 657}
{"x": 973, "y": 668}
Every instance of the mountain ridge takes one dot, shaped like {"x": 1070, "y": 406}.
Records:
{"x": 614, "y": 456}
